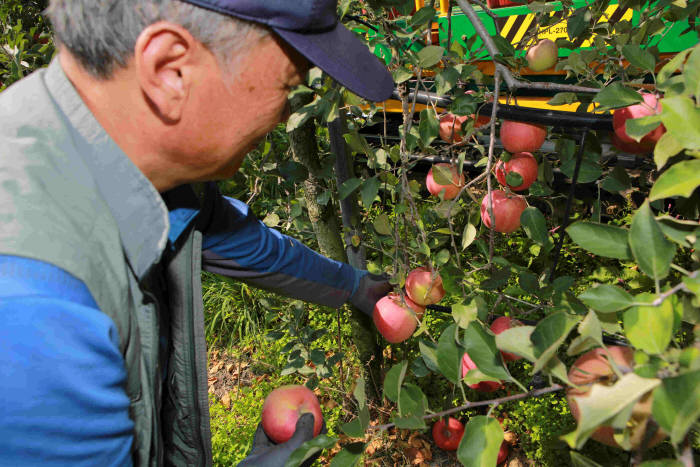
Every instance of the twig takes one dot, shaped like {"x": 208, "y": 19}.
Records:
{"x": 468, "y": 405}
{"x": 488, "y": 11}
{"x": 489, "y": 163}
{"x": 674, "y": 289}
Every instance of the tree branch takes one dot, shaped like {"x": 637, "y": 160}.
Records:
{"x": 468, "y": 405}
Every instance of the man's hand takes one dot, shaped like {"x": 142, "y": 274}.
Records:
{"x": 372, "y": 288}
{"x": 266, "y": 453}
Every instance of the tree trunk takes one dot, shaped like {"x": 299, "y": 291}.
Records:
{"x": 326, "y": 226}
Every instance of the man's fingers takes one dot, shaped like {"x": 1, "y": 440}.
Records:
{"x": 304, "y": 430}
{"x": 260, "y": 439}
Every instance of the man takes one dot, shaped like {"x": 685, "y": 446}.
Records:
{"x": 102, "y": 235}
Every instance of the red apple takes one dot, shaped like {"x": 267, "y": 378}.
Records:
{"x": 593, "y": 367}
{"x": 504, "y": 3}
{"x": 395, "y": 320}
{"x": 448, "y": 435}
{"x": 506, "y": 210}
{"x": 483, "y": 386}
{"x": 501, "y": 324}
{"x": 502, "y": 453}
{"x": 522, "y": 163}
{"x": 451, "y": 191}
{"x": 451, "y": 128}
{"x": 424, "y": 286}
{"x": 632, "y": 148}
{"x": 650, "y": 106}
{"x": 283, "y": 407}
{"x": 542, "y": 56}
{"x": 522, "y": 137}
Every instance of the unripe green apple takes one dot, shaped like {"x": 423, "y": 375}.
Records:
{"x": 542, "y": 55}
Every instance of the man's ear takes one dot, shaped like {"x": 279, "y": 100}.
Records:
{"x": 164, "y": 56}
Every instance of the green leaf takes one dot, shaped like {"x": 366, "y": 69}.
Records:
{"x": 676, "y": 404}
{"x": 422, "y": 16}
{"x": 359, "y": 391}
{"x": 680, "y": 179}
{"x": 428, "y": 351}
{"x": 562, "y": 98}
{"x": 601, "y": 239}
{"x": 468, "y": 236}
{"x": 370, "y": 188}
{"x": 428, "y": 127}
{"x": 481, "y": 347}
{"x": 393, "y": 380}
{"x": 401, "y": 74}
{"x": 464, "y": 105}
{"x": 666, "y": 148}
{"x": 412, "y": 401}
{"x": 348, "y": 187}
{"x": 639, "y": 57}
{"x": 616, "y": 96}
{"x": 650, "y": 248}
{"x": 356, "y": 428}
{"x": 381, "y": 224}
{"x": 603, "y": 403}
{"x": 442, "y": 175}
{"x": 535, "y": 226}
{"x": 577, "y": 23}
{"x": 616, "y": 181}
{"x": 271, "y": 220}
{"x": 464, "y": 314}
{"x": 662, "y": 463}
{"x": 670, "y": 68}
{"x": 430, "y": 55}
{"x": 682, "y": 119}
{"x": 691, "y": 72}
{"x": 409, "y": 423}
{"x": 446, "y": 80}
{"x": 649, "y": 328}
{"x": 349, "y": 456}
{"x": 606, "y": 298}
{"x": 308, "y": 449}
{"x": 579, "y": 460}
{"x": 637, "y": 128}
{"x": 549, "y": 334}
{"x": 517, "y": 340}
{"x": 449, "y": 355}
{"x": 504, "y": 46}
{"x": 481, "y": 441}
{"x": 514, "y": 179}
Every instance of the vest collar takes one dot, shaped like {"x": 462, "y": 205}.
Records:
{"x": 136, "y": 205}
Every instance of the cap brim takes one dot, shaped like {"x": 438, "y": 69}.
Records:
{"x": 345, "y": 58}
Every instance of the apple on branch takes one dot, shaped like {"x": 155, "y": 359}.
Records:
{"x": 448, "y": 435}
{"x": 506, "y": 210}
{"x": 522, "y": 137}
{"x": 518, "y": 172}
{"x": 542, "y": 55}
{"x": 447, "y": 172}
{"x": 424, "y": 286}
{"x": 283, "y": 407}
{"x": 482, "y": 386}
{"x": 594, "y": 367}
{"x": 395, "y": 318}
{"x": 499, "y": 325}
{"x": 621, "y": 140}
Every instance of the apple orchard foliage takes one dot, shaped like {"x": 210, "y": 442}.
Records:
{"x": 659, "y": 238}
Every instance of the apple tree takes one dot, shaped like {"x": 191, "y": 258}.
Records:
{"x": 462, "y": 118}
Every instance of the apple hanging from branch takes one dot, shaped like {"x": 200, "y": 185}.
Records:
{"x": 396, "y": 319}
{"x": 444, "y": 172}
{"x": 448, "y": 435}
{"x": 542, "y": 55}
{"x": 506, "y": 210}
{"x": 519, "y": 172}
{"x": 424, "y": 286}
{"x": 522, "y": 137}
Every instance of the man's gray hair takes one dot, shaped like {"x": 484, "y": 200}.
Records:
{"x": 102, "y": 34}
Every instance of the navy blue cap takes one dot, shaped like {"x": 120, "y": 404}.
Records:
{"x": 313, "y": 29}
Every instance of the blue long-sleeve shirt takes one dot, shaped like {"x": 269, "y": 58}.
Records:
{"x": 62, "y": 400}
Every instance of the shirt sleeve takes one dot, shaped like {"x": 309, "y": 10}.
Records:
{"x": 238, "y": 245}
{"x": 63, "y": 396}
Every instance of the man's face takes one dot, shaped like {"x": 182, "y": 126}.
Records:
{"x": 233, "y": 111}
